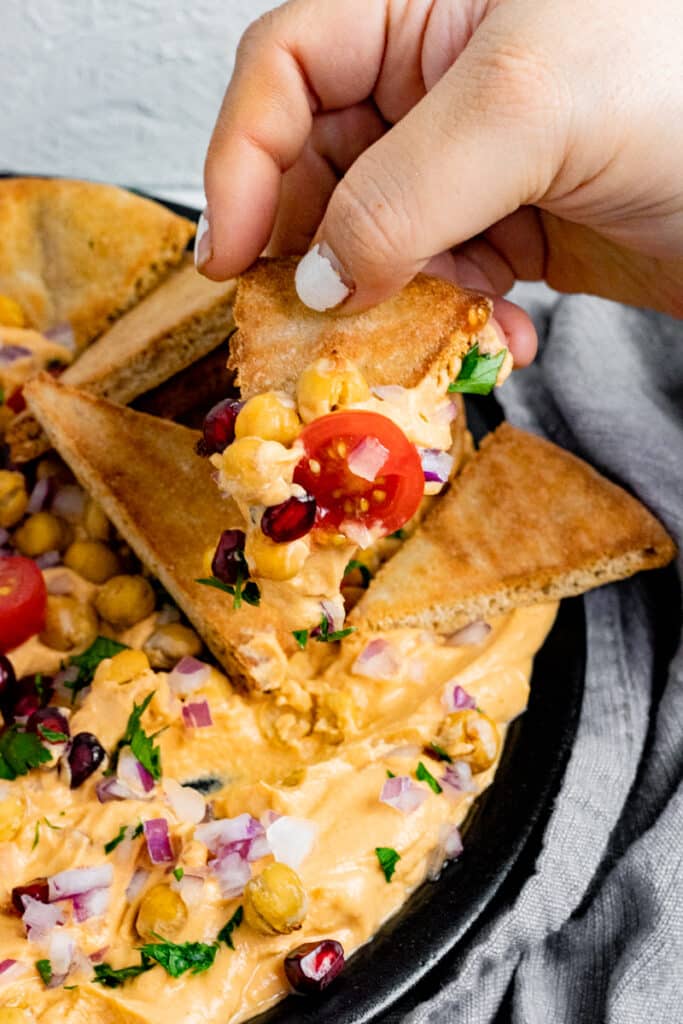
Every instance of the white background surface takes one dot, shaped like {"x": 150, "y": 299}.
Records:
{"x": 116, "y": 90}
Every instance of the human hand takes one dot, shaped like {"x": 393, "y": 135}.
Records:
{"x": 484, "y": 141}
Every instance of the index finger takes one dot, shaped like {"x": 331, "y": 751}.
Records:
{"x": 301, "y": 58}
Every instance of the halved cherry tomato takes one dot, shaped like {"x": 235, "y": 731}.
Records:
{"x": 23, "y": 600}
{"x": 388, "y": 501}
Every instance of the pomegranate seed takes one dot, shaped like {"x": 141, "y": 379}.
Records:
{"x": 310, "y": 968}
{"x": 290, "y": 520}
{"x": 38, "y": 889}
{"x": 48, "y": 718}
{"x": 85, "y": 756}
{"x": 218, "y": 430}
{"x": 228, "y": 561}
{"x": 25, "y": 697}
{"x": 8, "y": 681}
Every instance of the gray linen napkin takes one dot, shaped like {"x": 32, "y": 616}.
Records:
{"x": 596, "y": 932}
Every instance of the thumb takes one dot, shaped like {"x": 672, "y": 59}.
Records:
{"x": 472, "y": 151}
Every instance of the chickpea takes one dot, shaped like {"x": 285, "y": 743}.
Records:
{"x": 171, "y": 642}
{"x": 122, "y": 667}
{"x": 11, "y": 313}
{"x": 471, "y": 736}
{"x": 69, "y": 623}
{"x": 257, "y": 472}
{"x": 161, "y": 912}
{"x": 13, "y": 497}
{"x": 96, "y": 524}
{"x": 125, "y": 600}
{"x": 271, "y": 416}
{"x": 40, "y": 533}
{"x": 275, "y": 561}
{"x": 275, "y": 902}
{"x": 12, "y": 810}
{"x": 328, "y": 384}
{"x": 92, "y": 560}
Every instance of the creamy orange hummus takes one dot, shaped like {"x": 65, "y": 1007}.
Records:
{"x": 319, "y": 749}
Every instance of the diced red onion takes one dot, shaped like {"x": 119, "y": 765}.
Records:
{"x": 368, "y": 458}
{"x": 408, "y": 750}
{"x": 48, "y": 559}
{"x": 91, "y": 904}
{"x": 158, "y": 841}
{"x": 334, "y": 613}
{"x": 233, "y": 873}
{"x": 191, "y": 889}
{"x": 454, "y": 698}
{"x": 12, "y": 970}
{"x": 40, "y": 918}
{"x": 61, "y": 583}
{"x": 136, "y": 884}
{"x": 188, "y": 804}
{"x": 69, "y": 503}
{"x": 38, "y": 496}
{"x": 133, "y": 775}
{"x": 62, "y": 334}
{"x": 188, "y": 675}
{"x": 221, "y": 834}
{"x": 268, "y": 817}
{"x": 98, "y": 956}
{"x": 403, "y": 794}
{"x": 76, "y": 881}
{"x": 436, "y": 464}
{"x": 473, "y": 633}
{"x": 61, "y": 950}
{"x": 457, "y": 779}
{"x": 446, "y": 413}
{"x": 389, "y": 392}
{"x": 291, "y": 839}
{"x": 377, "y": 660}
{"x": 197, "y": 715}
{"x": 112, "y": 789}
{"x": 448, "y": 848}
{"x": 10, "y": 353}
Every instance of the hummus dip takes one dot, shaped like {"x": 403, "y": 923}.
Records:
{"x": 308, "y": 763}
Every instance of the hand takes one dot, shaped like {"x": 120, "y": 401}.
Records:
{"x": 485, "y": 141}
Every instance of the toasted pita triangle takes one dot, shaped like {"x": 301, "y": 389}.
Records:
{"x": 160, "y": 496}
{"x": 525, "y": 522}
{"x": 425, "y": 329}
{"x": 185, "y": 317}
{"x": 80, "y": 253}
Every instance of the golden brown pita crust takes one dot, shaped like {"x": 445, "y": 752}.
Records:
{"x": 160, "y": 496}
{"x": 82, "y": 253}
{"x": 426, "y": 328}
{"x": 185, "y": 317}
{"x": 525, "y": 522}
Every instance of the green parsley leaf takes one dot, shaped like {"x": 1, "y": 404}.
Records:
{"x": 241, "y": 591}
{"x": 139, "y": 829}
{"x": 478, "y": 373}
{"x": 139, "y": 742}
{"x": 225, "y": 934}
{"x": 323, "y": 635}
{"x": 177, "y": 958}
{"x": 390, "y": 775}
{"x": 39, "y": 684}
{"x": 178, "y": 873}
{"x": 424, "y": 775}
{"x": 365, "y": 573}
{"x": 55, "y": 828}
{"x": 44, "y": 968}
{"x": 399, "y": 534}
{"x": 301, "y": 637}
{"x": 388, "y": 859}
{"x": 106, "y": 975}
{"x": 118, "y": 838}
{"x": 86, "y": 662}
{"x": 36, "y": 836}
{"x": 19, "y": 752}
{"x": 439, "y": 752}
{"x": 51, "y": 735}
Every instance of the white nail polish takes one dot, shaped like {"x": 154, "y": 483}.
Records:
{"x": 318, "y": 282}
{"x": 202, "y": 241}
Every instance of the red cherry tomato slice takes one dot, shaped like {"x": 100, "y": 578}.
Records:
{"x": 382, "y": 504}
{"x": 23, "y": 600}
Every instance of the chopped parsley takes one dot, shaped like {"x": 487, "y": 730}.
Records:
{"x": 107, "y": 975}
{"x": 41, "y": 688}
{"x": 399, "y": 534}
{"x": 139, "y": 742}
{"x": 36, "y": 836}
{"x": 365, "y": 573}
{"x": 225, "y": 934}
{"x": 51, "y": 735}
{"x": 178, "y": 873}
{"x": 388, "y": 859}
{"x": 478, "y": 373}
{"x": 241, "y": 591}
{"x": 301, "y": 637}
{"x": 322, "y": 632}
{"x": 44, "y": 968}
{"x": 20, "y": 752}
{"x": 177, "y": 958}
{"x": 424, "y": 775}
{"x": 439, "y": 752}
{"x": 87, "y": 662}
{"x": 118, "y": 838}
{"x": 390, "y": 775}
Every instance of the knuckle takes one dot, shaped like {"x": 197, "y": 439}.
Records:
{"x": 516, "y": 76}
{"x": 372, "y": 218}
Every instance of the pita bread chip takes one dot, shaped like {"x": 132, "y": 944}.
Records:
{"x": 160, "y": 496}
{"x": 77, "y": 253}
{"x": 424, "y": 330}
{"x": 525, "y": 522}
{"x": 183, "y": 319}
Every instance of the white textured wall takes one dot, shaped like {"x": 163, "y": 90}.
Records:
{"x": 116, "y": 90}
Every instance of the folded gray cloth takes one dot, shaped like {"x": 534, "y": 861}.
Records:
{"x": 596, "y": 932}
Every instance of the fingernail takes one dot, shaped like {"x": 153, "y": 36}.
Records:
{"x": 202, "y": 241}
{"x": 320, "y": 280}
